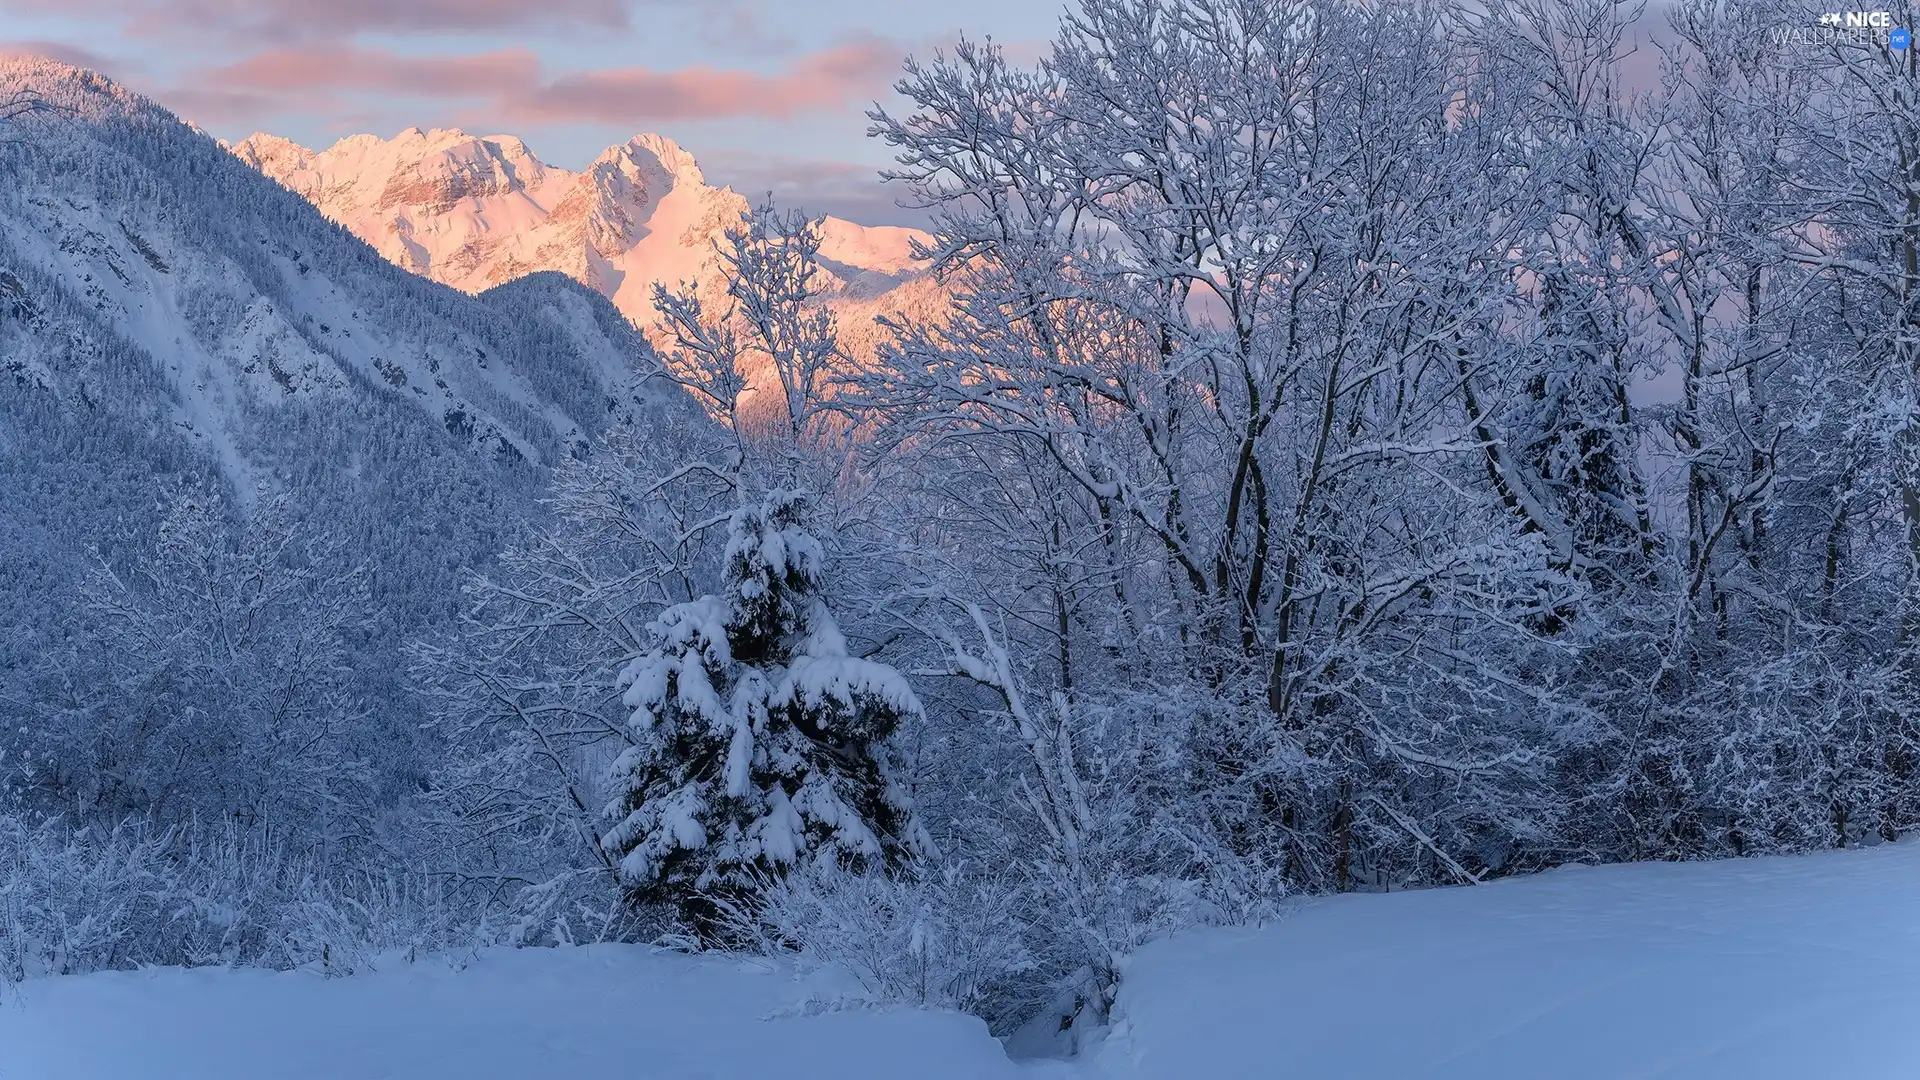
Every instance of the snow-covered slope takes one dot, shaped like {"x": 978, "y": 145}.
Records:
{"x": 540, "y": 1014}
{"x": 1763, "y": 969}
{"x": 169, "y": 316}
{"x": 247, "y": 299}
{"x": 1759, "y": 969}
{"x": 474, "y": 212}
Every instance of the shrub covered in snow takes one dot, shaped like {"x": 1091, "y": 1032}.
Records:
{"x": 936, "y": 935}
{"x": 85, "y": 899}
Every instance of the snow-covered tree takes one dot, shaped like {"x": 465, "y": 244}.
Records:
{"x": 210, "y": 682}
{"x": 761, "y": 361}
{"x": 759, "y": 743}
{"x": 1227, "y": 279}
{"x": 22, "y": 105}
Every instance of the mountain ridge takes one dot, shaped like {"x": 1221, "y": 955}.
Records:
{"x": 170, "y": 317}
{"x": 477, "y": 211}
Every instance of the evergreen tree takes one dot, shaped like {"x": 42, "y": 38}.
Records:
{"x": 758, "y": 742}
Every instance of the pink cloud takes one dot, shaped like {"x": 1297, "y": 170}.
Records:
{"x": 511, "y": 84}
{"x": 291, "y": 20}
{"x": 210, "y": 106}
{"x": 817, "y": 81}
{"x": 349, "y": 68}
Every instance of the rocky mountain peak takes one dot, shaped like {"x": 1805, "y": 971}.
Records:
{"x": 474, "y": 212}
{"x": 669, "y": 157}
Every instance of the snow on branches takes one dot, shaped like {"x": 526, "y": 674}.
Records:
{"x": 757, "y": 741}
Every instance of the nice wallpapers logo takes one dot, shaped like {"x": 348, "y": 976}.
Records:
{"x": 1870, "y": 28}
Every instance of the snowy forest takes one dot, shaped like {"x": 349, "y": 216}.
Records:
{"x": 1358, "y": 448}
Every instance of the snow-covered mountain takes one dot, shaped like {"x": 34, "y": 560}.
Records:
{"x": 170, "y": 316}
{"x": 249, "y": 302}
{"x": 474, "y": 212}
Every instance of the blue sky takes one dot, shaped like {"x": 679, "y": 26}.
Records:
{"x": 768, "y": 96}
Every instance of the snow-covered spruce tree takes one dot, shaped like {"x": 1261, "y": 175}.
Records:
{"x": 758, "y": 742}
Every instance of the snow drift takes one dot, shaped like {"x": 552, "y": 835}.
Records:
{"x": 1755, "y": 969}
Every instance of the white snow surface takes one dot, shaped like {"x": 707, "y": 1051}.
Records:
{"x": 592, "y": 1012}
{"x": 1787, "y": 968}
{"x": 1755, "y": 969}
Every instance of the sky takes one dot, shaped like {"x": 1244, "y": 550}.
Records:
{"x": 768, "y": 96}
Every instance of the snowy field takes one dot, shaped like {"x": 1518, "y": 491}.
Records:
{"x": 1756, "y": 969}
{"x": 592, "y": 1012}
{"x": 1789, "y": 968}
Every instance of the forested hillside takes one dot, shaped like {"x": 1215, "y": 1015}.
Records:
{"x": 228, "y": 425}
